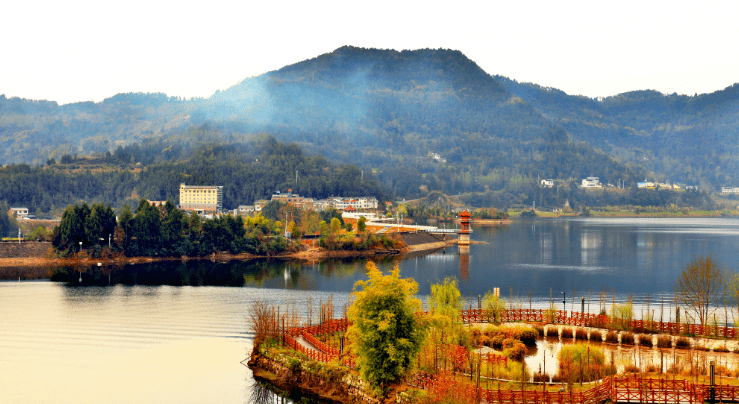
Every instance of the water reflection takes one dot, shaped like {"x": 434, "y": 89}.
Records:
{"x": 288, "y": 274}
{"x": 545, "y": 356}
{"x": 629, "y": 256}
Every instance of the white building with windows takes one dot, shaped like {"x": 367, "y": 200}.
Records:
{"x": 359, "y": 203}
{"x": 201, "y": 198}
{"x": 591, "y": 182}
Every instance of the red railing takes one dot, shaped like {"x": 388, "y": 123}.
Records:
{"x": 319, "y": 344}
{"x": 615, "y": 389}
{"x": 587, "y": 319}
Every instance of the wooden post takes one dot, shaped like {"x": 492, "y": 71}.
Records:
{"x": 677, "y": 319}
{"x": 713, "y": 383}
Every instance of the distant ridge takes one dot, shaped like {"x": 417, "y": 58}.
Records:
{"x": 389, "y": 110}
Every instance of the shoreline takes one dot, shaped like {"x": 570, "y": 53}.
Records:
{"x": 310, "y": 254}
{"x": 665, "y": 215}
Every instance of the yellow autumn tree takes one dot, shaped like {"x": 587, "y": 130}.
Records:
{"x": 386, "y": 334}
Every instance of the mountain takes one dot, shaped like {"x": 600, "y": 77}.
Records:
{"x": 692, "y": 139}
{"x": 423, "y": 120}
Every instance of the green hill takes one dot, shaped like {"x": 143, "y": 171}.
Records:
{"x": 423, "y": 120}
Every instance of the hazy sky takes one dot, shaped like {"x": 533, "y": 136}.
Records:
{"x": 79, "y": 50}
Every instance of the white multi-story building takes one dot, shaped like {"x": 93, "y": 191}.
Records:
{"x": 591, "y": 182}
{"x": 359, "y": 203}
{"x": 730, "y": 190}
{"x": 201, "y": 198}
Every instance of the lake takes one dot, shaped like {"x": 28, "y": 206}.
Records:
{"x": 176, "y": 332}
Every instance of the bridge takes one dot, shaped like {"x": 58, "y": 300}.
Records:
{"x": 448, "y": 231}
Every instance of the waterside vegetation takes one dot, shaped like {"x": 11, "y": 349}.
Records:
{"x": 468, "y": 354}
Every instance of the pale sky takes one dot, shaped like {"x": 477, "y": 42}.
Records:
{"x": 81, "y": 50}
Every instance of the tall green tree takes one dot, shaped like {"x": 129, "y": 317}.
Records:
{"x": 146, "y": 231}
{"x": 362, "y": 224}
{"x": 8, "y": 226}
{"x": 386, "y": 334}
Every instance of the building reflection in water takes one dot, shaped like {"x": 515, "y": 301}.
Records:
{"x": 464, "y": 261}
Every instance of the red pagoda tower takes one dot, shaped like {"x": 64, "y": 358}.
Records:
{"x": 464, "y": 231}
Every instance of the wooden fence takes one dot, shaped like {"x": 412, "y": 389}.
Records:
{"x": 614, "y": 389}
{"x": 593, "y": 320}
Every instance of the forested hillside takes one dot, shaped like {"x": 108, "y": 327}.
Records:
{"x": 690, "y": 139}
{"x": 423, "y": 120}
{"x": 247, "y": 171}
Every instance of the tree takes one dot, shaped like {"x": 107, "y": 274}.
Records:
{"x": 335, "y": 226}
{"x": 700, "y": 284}
{"x": 8, "y": 226}
{"x": 446, "y": 299}
{"x": 386, "y": 335}
{"x": 362, "y": 224}
{"x": 323, "y": 228}
{"x": 272, "y": 210}
{"x": 494, "y": 306}
{"x": 294, "y": 230}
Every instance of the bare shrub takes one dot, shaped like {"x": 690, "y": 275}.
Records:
{"x": 566, "y": 333}
{"x": 664, "y": 341}
{"x": 674, "y": 369}
{"x": 581, "y": 334}
{"x": 631, "y": 369}
{"x": 595, "y": 335}
{"x": 645, "y": 340}
{"x": 541, "y": 378}
{"x": 682, "y": 343}
{"x": 654, "y": 368}
{"x": 612, "y": 337}
{"x": 627, "y": 338}
{"x": 263, "y": 321}
{"x": 557, "y": 378}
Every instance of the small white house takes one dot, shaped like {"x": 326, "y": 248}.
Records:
{"x": 591, "y": 182}
{"x": 20, "y": 213}
{"x": 547, "y": 183}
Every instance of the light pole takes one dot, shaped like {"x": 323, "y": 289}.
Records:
{"x": 109, "y": 240}
{"x": 564, "y": 303}
{"x": 78, "y": 261}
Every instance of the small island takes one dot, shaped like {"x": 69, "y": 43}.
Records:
{"x": 390, "y": 348}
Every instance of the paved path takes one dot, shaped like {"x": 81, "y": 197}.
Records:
{"x": 307, "y": 345}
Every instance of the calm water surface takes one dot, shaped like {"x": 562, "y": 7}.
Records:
{"x": 176, "y": 333}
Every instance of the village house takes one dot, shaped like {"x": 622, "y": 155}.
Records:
{"x": 592, "y": 182}
{"x": 19, "y": 213}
